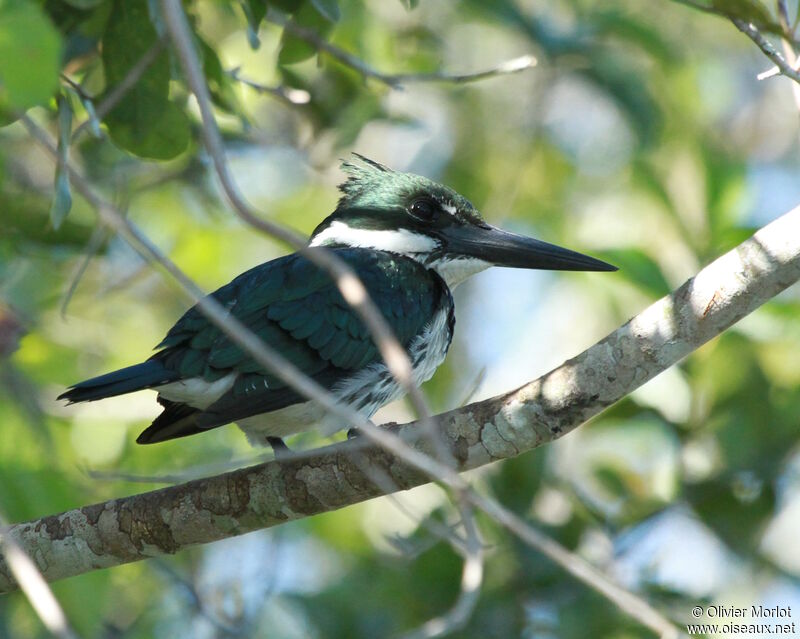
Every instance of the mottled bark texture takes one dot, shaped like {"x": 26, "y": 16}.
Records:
{"x": 164, "y": 521}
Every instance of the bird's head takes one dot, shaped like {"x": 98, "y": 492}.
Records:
{"x": 411, "y": 215}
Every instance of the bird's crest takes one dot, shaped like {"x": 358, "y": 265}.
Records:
{"x": 362, "y": 176}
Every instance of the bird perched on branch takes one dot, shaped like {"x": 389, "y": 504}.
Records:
{"x": 409, "y": 239}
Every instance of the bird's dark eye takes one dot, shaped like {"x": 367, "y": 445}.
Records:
{"x": 424, "y": 209}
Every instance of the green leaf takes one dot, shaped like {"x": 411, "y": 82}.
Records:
{"x": 254, "y": 14}
{"x": 94, "y": 122}
{"x": 62, "y": 199}
{"x": 158, "y": 132}
{"x": 257, "y": 9}
{"x": 219, "y": 83}
{"x": 328, "y": 9}
{"x": 294, "y": 49}
{"x": 288, "y": 6}
{"x": 145, "y": 122}
{"x": 749, "y": 10}
{"x": 410, "y": 4}
{"x": 30, "y": 49}
{"x": 646, "y": 36}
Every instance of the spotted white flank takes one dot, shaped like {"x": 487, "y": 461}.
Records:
{"x": 366, "y": 391}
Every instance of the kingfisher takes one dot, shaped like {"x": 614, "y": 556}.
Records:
{"x": 410, "y": 240}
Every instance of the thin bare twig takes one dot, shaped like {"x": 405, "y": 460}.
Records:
{"x": 286, "y": 94}
{"x": 230, "y": 629}
{"x": 385, "y": 482}
{"x": 99, "y": 235}
{"x": 396, "y": 80}
{"x": 750, "y": 30}
{"x": 34, "y": 586}
{"x": 75, "y": 86}
{"x": 289, "y": 374}
{"x": 471, "y": 580}
{"x": 472, "y": 387}
{"x": 628, "y": 602}
{"x": 441, "y": 531}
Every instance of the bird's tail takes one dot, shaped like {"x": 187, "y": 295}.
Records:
{"x": 177, "y": 420}
{"x": 126, "y": 380}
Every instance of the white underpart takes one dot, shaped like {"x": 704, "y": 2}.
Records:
{"x": 285, "y": 421}
{"x": 427, "y": 352}
{"x": 196, "y": 391}
{"x": 429, "y": 349}
{"x": 397, "y": 241}
{"x": 455, "y": 271}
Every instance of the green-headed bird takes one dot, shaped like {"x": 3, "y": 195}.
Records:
{"x": 409, "y": 239}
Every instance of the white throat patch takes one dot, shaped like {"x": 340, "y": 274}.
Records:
{"x": 455, "y": 271}
{"x": 400, "y": 241}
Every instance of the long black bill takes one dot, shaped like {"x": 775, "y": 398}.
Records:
{"x": 502, "y": 248}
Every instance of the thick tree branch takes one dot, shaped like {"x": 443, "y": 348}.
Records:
{"x": 167, "y": 520}
{"x": 36, "y": 589}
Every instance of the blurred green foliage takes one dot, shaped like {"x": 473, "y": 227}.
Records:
{"x": 641, "y": 137}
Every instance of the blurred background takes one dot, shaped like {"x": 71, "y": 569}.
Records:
{"x": 642, "y": 137}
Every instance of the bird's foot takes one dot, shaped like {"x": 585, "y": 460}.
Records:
{"x": 355, "y": 433}
{"x": 281, "y": 450}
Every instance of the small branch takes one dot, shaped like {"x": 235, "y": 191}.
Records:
{"x": 294, "y": 97}
{"x": 97, "y": 239}
{"x": 631, "y": 604}
{"x": 388, "y": 487}
{"x": 439, "y": 531}
{"x": 766, "y": 47}
{"x": 75, "y": 86}
{"x": 197, "y": 602}
{"x": 471, "y": 580}
{"x": 396, "y": 80}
